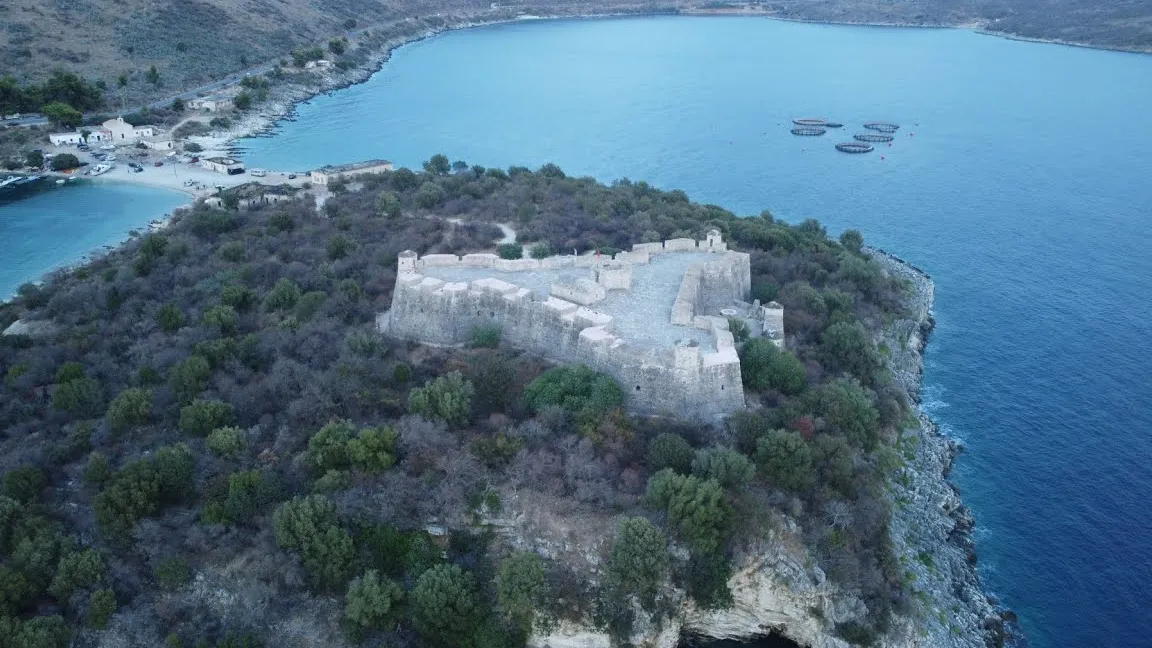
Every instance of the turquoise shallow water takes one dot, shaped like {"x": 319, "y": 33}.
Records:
{"x": 1019, "y": 181}
{"x": 59, "y": 227}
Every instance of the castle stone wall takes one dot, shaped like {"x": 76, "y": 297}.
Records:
{"x": 682, "y": 380}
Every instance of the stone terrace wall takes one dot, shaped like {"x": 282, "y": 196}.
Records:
{"x": 681, "y": 381}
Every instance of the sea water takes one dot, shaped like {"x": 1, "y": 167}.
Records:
{"x": 63, "y": 225}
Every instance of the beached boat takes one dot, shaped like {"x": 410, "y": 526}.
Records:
{"x": 102, "y": 168}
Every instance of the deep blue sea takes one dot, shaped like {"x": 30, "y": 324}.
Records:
{"x": 1020, "y": 181}
{"x": 59, "y": 227}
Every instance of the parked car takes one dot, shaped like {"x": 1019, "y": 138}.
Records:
{"x": 259, "y": 173}
{"x": 158, "y": 163}
{"x": 291, "y": 176}
{"x": 108, "y": 147}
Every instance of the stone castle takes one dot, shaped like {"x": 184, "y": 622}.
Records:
{"x": 656, "y": 318}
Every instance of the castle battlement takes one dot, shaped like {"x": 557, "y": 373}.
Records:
{"x": 649, "y": 317}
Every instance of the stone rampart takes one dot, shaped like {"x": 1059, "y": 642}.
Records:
{"x": 682, "y": 380}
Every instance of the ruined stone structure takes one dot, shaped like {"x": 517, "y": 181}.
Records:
{"x": 654, "y": 318}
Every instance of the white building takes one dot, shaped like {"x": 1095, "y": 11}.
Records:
{"x": 325, "y": 175}
{"x": 212, "y": 103}
{"x": 159, "y": 143}
{"x": 121, "y": 132}
{"x": 62, "y": 139}
{"x": 223, "y": 165}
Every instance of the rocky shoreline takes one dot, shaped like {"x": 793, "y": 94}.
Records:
{"x": 931, "y": 526}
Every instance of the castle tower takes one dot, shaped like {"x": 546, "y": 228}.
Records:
{"x": 713, "y": 239}
{"x": 406, "y": 262}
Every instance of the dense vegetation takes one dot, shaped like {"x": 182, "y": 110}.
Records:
{"x": 212, "y": 443}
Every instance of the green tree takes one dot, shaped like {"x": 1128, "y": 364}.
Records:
{"x": 76, "y": 570}
{"x": 249, "y": 492}
{"x": 202, "y": 416}
{"x": 372, "y": 600}
{"x": 338, "y": 247}
{"x": 540, "y": 251}
{"x": 729, "y": 468}
{"x": 374, "y": 449}
{"x": 24, "y": 484}
{"x": 101, "y": 607}
{"x": 153, "y": 75}
{"x": 848, "y": 347}
{"x": 221, "y": 318}
{"x": 239, "y": 298}
{"x": 510, "y": 250}
{"x": 328, "y": 448}
{"x": 170, "y": 318}
{"x": 242, "y": 101}
{"x": 739, "y": 330}
{"x": 403, "y": 179}
{"x": 639, "y": 560}
{"x": 447, "y": 398}
{"x": 172, "y": 572}
{"x": 337, "y": 46}
{"x": 429, "y": 195}
{"x": 190, "y": 377}
{"x": 43, "y": 632}
{"x": 852, "y": 240}
{"x": 763, "y": 366}
{"x": 97, "y": 470}
{"x": 64, "y": 162}
{"x": 388, "y": 205}
{"x": 785, "y": 460}
{"x": 81, "y": 396}
{"x": 575, "y": 388}
{"x": 227, "y": 442}
{"x": 177, "y": 105}
{"x": 695, "y": 507}
{"x": 486, "y": 336}
{"x": 62, "y": 115}
{"x": 670, "y": 450}
{"x": 438, "y": 164}
{"x": 848, "y": 410}
{"x": 283, "y": 295}
{"x": 34, "y": 159}
{"x": 130, "y": 408}
{"x": 522, "y": 589}
{"x": 445, "y": 606}
{"x": 309, "y": 526}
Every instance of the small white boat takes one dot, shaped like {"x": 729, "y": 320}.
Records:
{"x": 102, "y": 168}
{"x": 60, "y": 181}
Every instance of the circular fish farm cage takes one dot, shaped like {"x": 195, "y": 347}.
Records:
{"x": 833, "y": 125}
{"x": 882, "y": 127}
{"x": 808, "y": 131}
{"x": 854, "y": 147}
{"x": 873, "y": 137}
{"x": 810, "y": 121}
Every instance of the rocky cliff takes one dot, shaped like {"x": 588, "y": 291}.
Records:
{"x": 778, "y": 590}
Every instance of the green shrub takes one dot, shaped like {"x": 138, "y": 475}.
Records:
{"x": 97, "y": 470}
{"x": 282, "y": 222}
{"x": 172, "y": 572}
{"x": 332, "y": 481}
{"x": 309, "y": 526}
{"x": 202, "y": 416}
{"x": 522, "y": 589}
{"x": 76, "y": 570}
{"x": 101, "y": 607}
{"x": 577, "y": 389}
{"x": 388, "y": 204}
{"x": 372, "y": 600}
{"x": 249, "y": 492}
{"x": 338, "y": 247}
{"x": 350, "y": 289}
{"x": 232, "y": 251}
{"x": 785, "y": 460}
{"x": 69, "y": 371}
{"x": 540, "y": 251}
{"x": 695, "y": 507}
{"x": 429, "y": 195}
{"x": 848, "y": 410}
{"x": 221, "y": 318}
{"x": 445, "y": 606}
{"x": 283, "y": 295}
{"x": 498, "y": 449}
{"x": 190, "y": 377}
{"x": 447, "y": 398}
{"x": 239, "y": 298}
{"x": 24, "y": 484}
{"x": 363, "y": 343}
{"x": 309, "y": 303}
{"x": 848, "y": 347}
{"x": 374, "y": 449}
{"x": 130, "y": 408}
{"x": 670, "y": 450}
{"x": 81, "y": 396}
{"x": 510, "y": 250}
{"x": 763, "y": 366}
{"x": 485, "y": 337}
{"x": 143, "y": 487}
{"x": 729, "y": 468}
{"x": 227, "y": 442}
{"x": 43, "y": 632}
{"x": 739, "y": 330}
{"x": 328, "y": 448}
{"x": 639, "y": 560}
